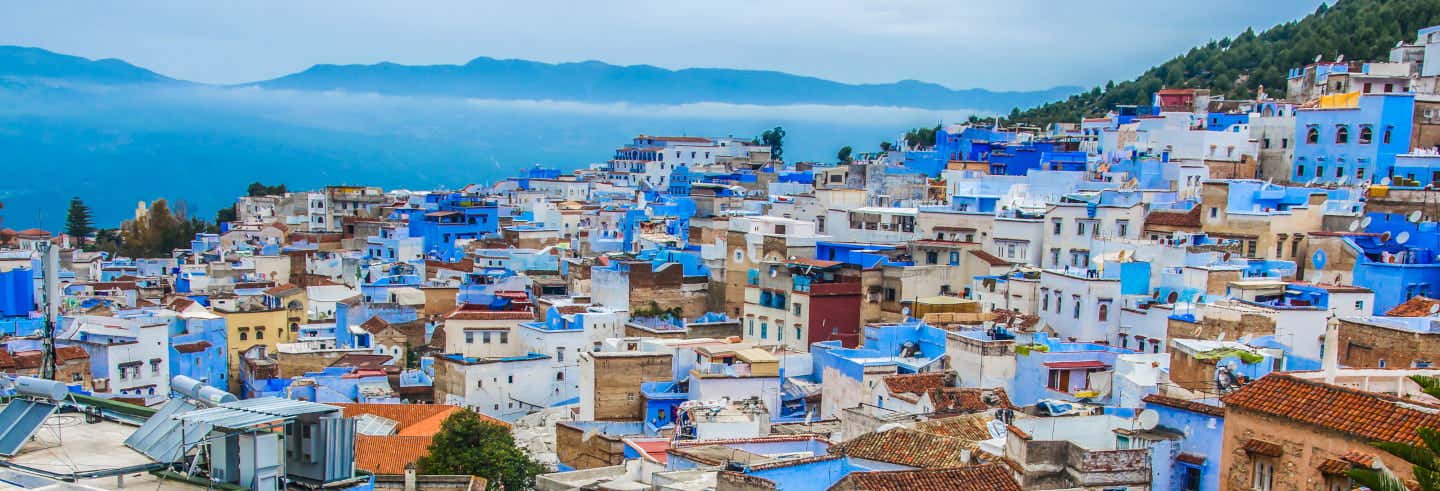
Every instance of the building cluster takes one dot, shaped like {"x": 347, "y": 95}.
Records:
{"x": 1197, "y": 294}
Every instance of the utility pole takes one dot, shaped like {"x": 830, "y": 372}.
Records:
{"x": 50, "y": 298}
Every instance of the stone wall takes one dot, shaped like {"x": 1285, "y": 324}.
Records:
{"x": 617, "y": 393}
{"x": 1305, "y": 448}
{"x": 579, "y": 452}
{"x": 1364, "y": 345}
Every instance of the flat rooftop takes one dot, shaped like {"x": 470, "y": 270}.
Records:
{"x": 67, "y": 444}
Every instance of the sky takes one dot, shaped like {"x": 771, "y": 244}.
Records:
{"x": 1009, "y": 45}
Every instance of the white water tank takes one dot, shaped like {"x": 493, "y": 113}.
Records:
{"x": 39, "y": 387}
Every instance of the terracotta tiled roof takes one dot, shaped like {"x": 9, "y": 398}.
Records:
{"x": 571, "y": 309}
{"x": 914, "y": 383}
{"x": 374, "y": 325}
{"x": 194, "y": 347}
{"x": 1333, "y": 466}
{"x": 369, "y": 361}
{"x": 388, "y": 455}
{"x": 6, "y": 362}
{"x": 410, "y": 416}
{"x": 1192, "y": 406}
{"x": 988, "y": 477}
{"x": 972, "y": 427}
{"x": 284, "y": 290}
{"x": 1367, "y": 415}
{"x": 67, "y": 353}
{"x": 1262, "y": 447}
{"x": 969, "y": 399}
{"x": 1417, "y": 306}
{"x": 1362, "y": 459}
{"x": 907, "y": 447}
{"x": 469, "y": 312}
{"x": 992, "y": 259}
{"x": 1333, "y": 288}
{"x": 1169, "y": 218}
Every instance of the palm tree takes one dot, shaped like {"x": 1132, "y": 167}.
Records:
{"x": 1425, "y": 458}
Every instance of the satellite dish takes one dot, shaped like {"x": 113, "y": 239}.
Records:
{"x": 1415, "y": 216}
{"x": 1434, "y": 307}
{"x": 1147, "y": 419}
{"x": 1342, "y": 180}
{"x": 1354, "y": 225}
{"x": 1319, "y": 57}
{"x": 1311, "y": 182}
{"x": 905, "y": 312}
{"x": 1385, "y": 181}
{"x": 1365, "y": 222}
{"x": 1340, "y": 58}
{"x": 1402, "y": 238}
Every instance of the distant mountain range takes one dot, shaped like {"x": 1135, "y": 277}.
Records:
{"x": 593, "y": 81}
{"x": 589, "y": 81}
{"x": 113, "y": 133}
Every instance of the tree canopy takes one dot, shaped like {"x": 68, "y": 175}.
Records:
{"x": 79, "y": 222}
{"x": 843, "y": 156}
{"x": 467, "y": 445}
{"x": 921, "y": 137}
{"x": 1237, "y": 67}
{"x": 258, "y": 189}
{"x": 775, "y": 138}
{"x": 160, "y": 231}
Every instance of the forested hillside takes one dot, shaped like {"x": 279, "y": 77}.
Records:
{"x": 1235, "y": 67}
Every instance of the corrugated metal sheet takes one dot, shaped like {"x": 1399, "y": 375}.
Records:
{"x": 251, "y": 412}
{"x": 159, "y": 438}
{"x": 19, "y": 421}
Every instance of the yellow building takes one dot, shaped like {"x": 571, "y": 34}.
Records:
{"x": 263, "y": 320}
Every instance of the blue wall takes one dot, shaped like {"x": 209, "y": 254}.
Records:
{"x": 1382, "y": 113}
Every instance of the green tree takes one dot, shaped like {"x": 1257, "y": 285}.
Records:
{"x": 258, "y": 189}
{"x": 225, "y": 215}
{"x": 1425, "y": 457}
{"x": 844, "y": 155}
{"x": 886, "y": 146}
{"x": 922, "y": 137}
{"x": 467, "y": 445}
{"x": 775, "y": 138}
{"x": 78, "y": 221}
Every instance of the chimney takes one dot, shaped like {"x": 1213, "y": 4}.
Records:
{"x": 410, "y": 477}
{"x": 1331, "y": 360}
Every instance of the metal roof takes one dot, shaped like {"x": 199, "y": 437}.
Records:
{"x": 160, "y": 437}
{"x": 251, "y": 412}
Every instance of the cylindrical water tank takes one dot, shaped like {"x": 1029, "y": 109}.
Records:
{"x": 197, "y": 390}
{"x": 186, "y": 386}
{"x": 39, "y": 387}
{"x": 215, "y": 396}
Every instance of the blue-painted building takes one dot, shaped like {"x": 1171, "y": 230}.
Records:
{"x": 199, "y": 350}
{"x": 1196, "y": 465}
{"x": 1357, "y": 142}
{"x": 1416, "y": 171}
{"x": 1049, "y": 369}
{"x": 1396, "y": 271}
{"x": 455, "y": 217}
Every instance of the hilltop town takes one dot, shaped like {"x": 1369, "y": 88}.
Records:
{"x": 1196, "y": 294}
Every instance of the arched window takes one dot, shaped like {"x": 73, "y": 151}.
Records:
{"x": 1386, "y": 137}
{"x": 1103, "y": 313}
{"x": 259, "y": 333}
{"x": 1045, "y": 302}
{"x": 1312, "y": 135}
{"x": 1077, "y": 308}
{"x": 1342, "y": 134}
{"x": 1367, "y": 134}
{"x": 1172, "y": 297}
{"x": 244, "y": 336}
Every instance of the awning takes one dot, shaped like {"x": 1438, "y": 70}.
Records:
{"x": 1076, "y": 365}
{"x": 1262, "y": 447}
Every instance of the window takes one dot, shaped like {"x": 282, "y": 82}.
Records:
{"x": 1366, "y": 135}
{"x": 1190, "y": 479}
{"x": 1319, "y": 171}
{"x": 259, "y": 333}
{"x": 1056, "y": 222}
{"x": 1342, "y": 134}
{"x": 504, "y": 337}
{"x": 1389, "y": 88}
{"x": 1080, "y": 228}
{"x": 485, "y": 337}
{"x": 752, "y": 327}
{"x": 932, "y": 257}
{"x": 244, "y": 336}
{"x": 1122, "y": 227}
{"x": 629, "y": 396}
{"x": 510, "y": 379}
{"x": 1215, "y": 210}
{"x": 469, "y": 337}
{"x": 1312, "y": 135}
{"x": 1359, "y": 173}
{"x": 764, "y": 330}
{"x": 1055, "y": 257}
{"x": 1366, "y": 88}
{"x": 1300, "y": 170}
{"x": 1251, "y": 248}
{"x": 560, "y": 376}
{"x": 1359, "y": 305}
{"x": 1383, "y": 363}
{"x": 1103, "y": 313}
{"x": 1284, "y": 143}
{"x": 154, "y": 366}
{"x": 797, "y": 332}
{"x": 1385, "y": 137}
{"x": 1262, "y": 476}
{"x": 1045, "y": 302}
{"x": 796, "y": 308}
{"x": 1267, "y": 142}
{"x": 1077, "y": 307}
{"x": 955, "y": 256}
{"x": 560, "y": 354}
